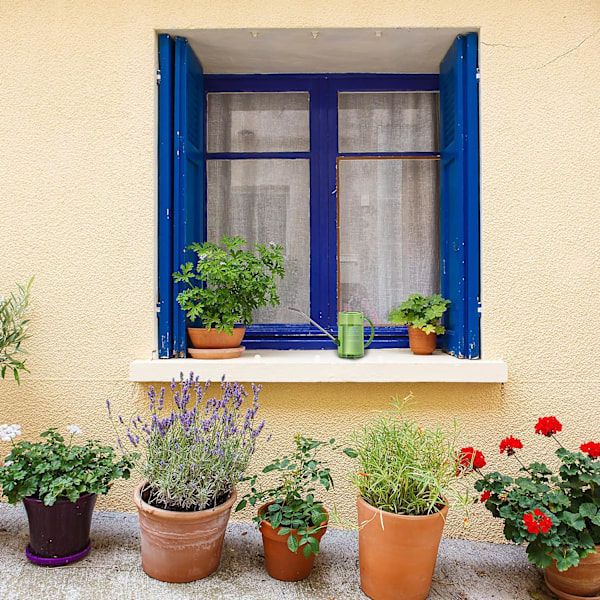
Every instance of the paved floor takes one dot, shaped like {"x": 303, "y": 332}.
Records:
{"x": 112, "y": 571}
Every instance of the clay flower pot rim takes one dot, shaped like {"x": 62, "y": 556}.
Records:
{"x": 443, "y": 510}
{"x": 61, "y": 500}
{"x": 177, "y": 515}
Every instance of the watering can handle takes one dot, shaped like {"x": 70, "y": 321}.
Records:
{"x": 372, "y": 331}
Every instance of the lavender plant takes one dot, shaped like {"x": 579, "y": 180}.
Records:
{"x": 194, "y": 454}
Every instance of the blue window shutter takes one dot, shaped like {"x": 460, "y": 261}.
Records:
{"x": 188, "y": 180}
{"x": 459, "y": 196}
{"x": 166, "y": 62}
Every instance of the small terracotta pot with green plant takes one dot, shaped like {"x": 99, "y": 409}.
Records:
{"x": 291, "y": 520}
{"x": 422, "y": 315}
{"x": 58, "y": 482}
{"x": 555, "y": 511}
{"x": 225, "y": 285}
{"x": 407, "y": 477}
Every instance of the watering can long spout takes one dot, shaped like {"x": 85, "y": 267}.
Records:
{"x": 335, "y": 340}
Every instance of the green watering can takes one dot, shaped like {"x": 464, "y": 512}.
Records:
{"x": 351, "y": 333}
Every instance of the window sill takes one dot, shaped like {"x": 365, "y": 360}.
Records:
{"x": 385, "y": 365}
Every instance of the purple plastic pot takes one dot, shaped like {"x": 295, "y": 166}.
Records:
{"x": 59, "y": 534}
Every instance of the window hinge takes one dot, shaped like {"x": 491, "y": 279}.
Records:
{"x": 477, "y": 74}
{"x": 479, "y": 308}
{"x": 158, "y": 77}
{"x": 158, "y": 307}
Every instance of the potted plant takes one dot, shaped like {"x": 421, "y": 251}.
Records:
{"x": 58, "y": 483}
{"x": 291, "y": 520}
{"x": 224, "y": 286}
{"x": 406, "y": 479}
{"x": 422, "y": 316}
{"x": 194, "y": 450}
{"x": 556, "y": 512}
{"x": 14, "y": 330}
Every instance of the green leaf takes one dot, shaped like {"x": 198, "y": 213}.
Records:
{"x": 241, "y": 505}
{"x": 570, "y": 558}
{"x": 292, "y": 544}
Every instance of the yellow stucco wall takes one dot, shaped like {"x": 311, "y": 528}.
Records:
{"x": 77, "y": 209}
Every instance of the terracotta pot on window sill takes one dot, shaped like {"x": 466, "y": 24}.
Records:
{"x": 210, "y": 343}
{"x": 421, "y": 343}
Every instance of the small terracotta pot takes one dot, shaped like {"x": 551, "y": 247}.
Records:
{"x": 211, "y": 338}
{"x": 397, "y": 553}
{"x": 420, "y": 342}
{"x": 181, "y": 546}
{"x": 59, "y": 534}
{"x": 582, "y": 581}
{"x": 281, "y": 563}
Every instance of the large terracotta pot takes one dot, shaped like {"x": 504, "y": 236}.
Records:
{"x": 59, "y": 534}
{"x": 181, "y": 546}
{"x": 582, "y": 581}
{"x": 212, "y": 339}
{"x": 420, "y": 342}
{"x": 281, "y": 563}
{"x": 397, "y": 553}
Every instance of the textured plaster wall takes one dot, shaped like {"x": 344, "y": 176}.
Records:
{"x": 77, "y": 209}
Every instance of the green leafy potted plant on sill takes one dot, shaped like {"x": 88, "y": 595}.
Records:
{"x": 14, "y": 330}
{"x": 195, "y": 448}
{"x": 407, "y": 477}
{"x": 291, "y": 520}
{"x": 422, "y": 315}
{"x": 556, "y": 512}
{"x": 225, "y": 285}
{"x": 58, "y": 483}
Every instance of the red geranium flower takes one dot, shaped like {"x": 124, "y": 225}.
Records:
{"x": 470, "y": 459}
{"x": 547, "y": 426}
{"x": 510, "y": 444}
{"x": 537, "y": 522}
{"x": 485, "y": 496}
{"x": 591, "y": 448}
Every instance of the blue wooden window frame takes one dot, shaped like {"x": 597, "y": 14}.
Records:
{"x": 323, "y": 92}
{"x": 181, "y": 218}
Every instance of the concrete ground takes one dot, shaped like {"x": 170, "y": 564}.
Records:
{"x": 112, "y": 571}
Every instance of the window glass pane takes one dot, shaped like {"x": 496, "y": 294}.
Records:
{"x": 388, "y": 121}
{"x": 266, "y": 201}
{"x": 389, "y": 233}
{"x": 258, "y": 122}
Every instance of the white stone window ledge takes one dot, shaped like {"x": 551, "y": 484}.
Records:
{"x": 386, "y": 365}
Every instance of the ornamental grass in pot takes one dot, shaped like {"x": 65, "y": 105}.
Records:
{"x": 195, "y": 448}
{"x": 555, "y": 511}
{"x": 407, "y": 477}
{"x": 225, "y": 285}
{"x": 291, "y": 520}
{"x": 58, "y": 482}
{"x": 422, "y": 315}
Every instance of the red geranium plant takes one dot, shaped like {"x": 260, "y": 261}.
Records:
{"x": 556, "y": 515}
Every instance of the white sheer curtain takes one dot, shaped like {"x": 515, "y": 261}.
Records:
{"x": 262, "y": 201}
{"x": 388, "y": 121}
{"x": 389, "y": 232}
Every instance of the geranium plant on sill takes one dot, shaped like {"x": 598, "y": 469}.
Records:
{"x": 555, "y": 512}
{"x": 291, "y": 520}
{"x": 195, "y": 449}
{"x": 406, "y": 477}
{"x": 422, "y": 315}
{"x": 58, "y": 483}
{"x": 225, "y": 285}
